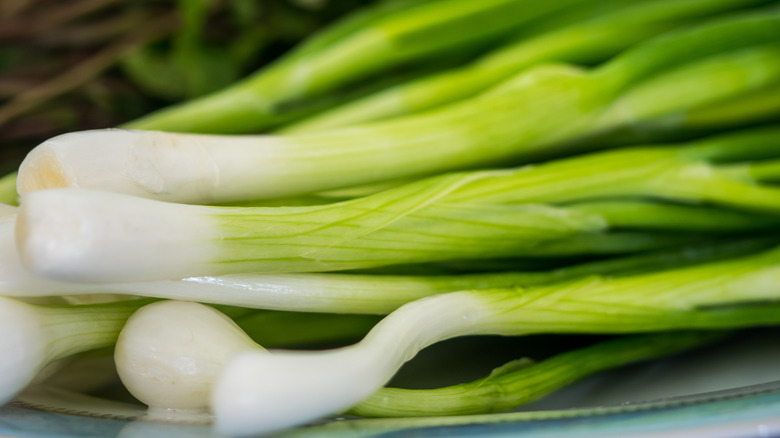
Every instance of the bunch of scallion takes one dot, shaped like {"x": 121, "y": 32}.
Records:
{"x": 438, "y": 169}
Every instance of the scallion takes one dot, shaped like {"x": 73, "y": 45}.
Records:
{"x": 262, "y": 392}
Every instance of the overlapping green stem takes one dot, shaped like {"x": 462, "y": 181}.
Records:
{"x": 369, "y": 42}
{"x": 522, "y": 381}
{"x": 584, "y": 33}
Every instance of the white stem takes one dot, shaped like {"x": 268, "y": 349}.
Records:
{"x": 169, "y": 353}
{"x": 23, "y": 343}
{"x": 151, "y": 164}
{"x": 261, "y": 393}
{"x": 342, "y": 293}
{"x": 77, "y": 235}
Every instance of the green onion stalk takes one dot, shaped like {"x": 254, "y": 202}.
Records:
{"x": 588, "y": 34}
{"x": 522, "y": 381}
{"x": 381, "y": 294}
{"x": 258, "y": 392}
{"x": 762, "y": 105}
{"x": 366, "y": 43}
{"x": 92, "y": 236}
{"x": 540, "y": 113}
{"x": 170, "y": 353}
{"x": 759, "y": 107}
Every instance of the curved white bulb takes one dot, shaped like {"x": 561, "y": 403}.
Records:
{"x": 169, "y": 353}
{"x": 263, "y": 393}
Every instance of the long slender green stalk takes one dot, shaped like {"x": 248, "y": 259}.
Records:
{"x": 358, "y": 47}
{"x": 520, "y": 382}
{"x": 260, "y": 393}
{"x": 671, "y": 217}
{"x": 540, "y": 113}
{"x": 32, "y": 336}
{"x": 81, "y": 235}
{"x": 765, "y": 171}
{"x": 614, "y": 242}
{"x": 746, "y": 145}
{"x": 587, "y": 35}
{"x": 182, "y": 241}
{"x": 691, "y": 174}
{"x": 381, "y": 294}
{"x": 754, "y": 108}
{"x": 760, "y": 105}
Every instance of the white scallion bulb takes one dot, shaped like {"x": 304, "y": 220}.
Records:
{"x": 169, "y": 353}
